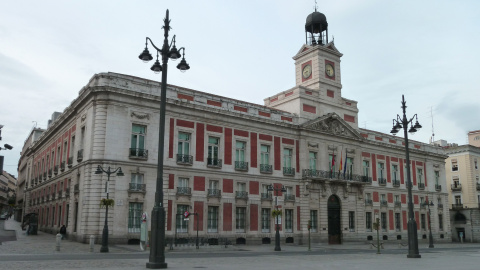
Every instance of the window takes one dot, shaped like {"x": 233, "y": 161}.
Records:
{"x": 213, "y": 189}
{"x": 136, "y": 183}
{"x": 137, "y": 144}
{"x": 134, "y": 217}
{"x": 213, "y": 144}
{"x": 420, "y": 181}
{"x": 265, "y": 154}
{"x": 381, "y": 170}
{"x": 437, "y": 178}
{"x": 183, "y": 143}
{"x": 422, "y": 222}
{"x": 240, "y": 151}
{"x": 351, "y": 221}
{"x": 288, "y": 220}
{"x": 422, "y": 201}
{"x": 398, "y": 221}
{"x": 289, "y": 196}
{"x": 312, "y": 158}
{"x": 366, "y": 168}
{"x": 383, "y": 199}
{"x": 349, "y": 164}
{"x": 368, "y": 221}
{"x": 183, "y": 186}
{"x": 454, "y": 165}
{"x": 440, "y": 222}
{"x": 313, "y": 220}
{"x": 265, "y": 220}
{"x": 395, "y": 172}
{"x": 331, "y": 163}
{"x": 240, "y": 219}
{"x": 181, "y": 223}
{"x": 475, "y": 164}
{"x": 212, "y": 225}
{"x": 368, "y": 198}
{"x": 241, "y": 190}
{"x": 458, "y": 200}
{"x": 383, "y": 221}
{"x": 241, "y": 186}
{"x": 456, "y": 182}
{"x": 397, "y": 198}
{"x": 287, "y": 158}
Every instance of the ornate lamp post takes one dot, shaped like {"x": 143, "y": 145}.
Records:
{"x": 108, "y": 171}
{"x": 277, "y": 233}
{"x": 157, "y": 248}
{"x": 429, "y": 203}
{"x": 402, "y": 122}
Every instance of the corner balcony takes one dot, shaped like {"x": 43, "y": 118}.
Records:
{"x": 396, "y": 183}
{"x": 456, "y": 187}
{"x": 241, "y": 166}
{"x": 382, "y": 181}
{"x": 265, "y": 168}
{"x": 184, "y": 191}
{"x": 421, "y": 186}
{"x": 214, "y": 192}
{"x": 184, "y": 159}
{"x": 288, "y": 171}
{"x": 266, "y": 196}
{"x": 241, "y": 195}
{"x": 438, "y": 187}
{"x": 138, "y": 153}
{"x": 214, "y": 163}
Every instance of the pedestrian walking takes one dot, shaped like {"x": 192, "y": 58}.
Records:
{"x": 63, "y": 231}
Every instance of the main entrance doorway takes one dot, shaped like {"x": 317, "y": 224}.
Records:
{"x": 334, "y": 230}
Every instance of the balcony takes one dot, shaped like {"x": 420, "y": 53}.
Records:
{"x": 265, "y": 168}
{"x": 80, "y": 155}
{"x": 438, "y": 187}
{"x": 184, "y": 159}
{"x": 397, "y": 204}
{"x": 383, "y": 203}
{"x": 241, "y": 166}
{"x": 47, "y": 197}
{"x": 138, "y": 153}
{"x": 67, "y": 192}
{"x": 457, "y": 206}
{"x": 50, "y": 172}
{"x": 456, "y": 187}
{"x": 214, "y": 163}
{"x": 288, "y": 171}
{"x": 44, "y": 175}
{"x": 134, "y": 187}
{"x": 478, "y": 186}
{"x": 329, "y": 175}
{"x": 241, "y": 195}
{"x": 70, "y": 162}
{"x": 440, "y": 206}
{"x": 54, "y": 196}
{"x": 55, "y": 170}
{"x": 368, "y": 202}
{"x": 62, "y": 166}
{"x": 382, "y": 181}
{"x": 266, "y": 196}
{"x": 396, "y": 183}
{"x": 421, "y": 186}
{"x": 214, "y": 192}
{"x": 76, "y": 188}
{"x": 184, "y": 191}
{"x": 289, "y": 197}
{"x": 60, "y": 194}
{"x": 423, "y": 205}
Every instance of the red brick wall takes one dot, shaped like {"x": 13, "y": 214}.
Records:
{"x": 277, "y": 153}
{"x": 187, "y": 124}
{"x": 200, "y": 144}
{"x": 390, "y": 197}
{"x": 402, "y": 179}
{"x": 403, "y": 197}
{"x": 253, "y": 187}
{"x": 198, "y": 208}
{"x": 199, "y": 183}
{"x": 375, "y": 196}
{"x": 228, "y": 185}
{"x": 417, "y": 219}
{"x": 298, "y": 218}
{"x": 253, "y": 217}
{"x": 414, "y": 174}
{"x": 374, "y": 168}
{"x": 214, "y": 129}
{"x": 227, "y": 216}
{"x": 228, "y": 146}
{"x": 265, "y": 137}
{"x": 171, "y": 179}
{"x": 297, "y": 191}
{"x": 242, "y": 133}
{"x": 391, "y": 222}
{"x": 253, "y": 150}
{"x": 297, "y": 156}
{"x": 172, "y": 135}
{"x": 349, "y": 118}
{"x": 310, "y": 109}
{"x": 389, "y": 176}
{"x": 404, "y": 219}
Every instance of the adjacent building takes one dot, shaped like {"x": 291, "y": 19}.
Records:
{"x": 223, "y": 154}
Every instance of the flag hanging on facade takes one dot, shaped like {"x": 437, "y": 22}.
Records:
{"x": 333, "y": 161}
{"x": 346, "y": 160}
{"x": 341, "y": 163}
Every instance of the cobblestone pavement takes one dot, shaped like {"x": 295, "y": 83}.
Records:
{"x": 40, "y": 248}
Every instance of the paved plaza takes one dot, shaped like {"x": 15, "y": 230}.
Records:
{"x": 38, "y": 252}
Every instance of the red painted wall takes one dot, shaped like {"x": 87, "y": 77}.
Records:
{"x": 228, "y": 146}
{"x": 403, "y": 197}
{"x": 265, "y": 137}
{"x": 198, "y": 208}
{"x": 391, "y": 222}
{"x": 415, "y": 199}
{"x": 228, "y": 185}
{"x": 184, "y": 123}
{"x": 297, "y": 191}
{"x": 253, "y": 187}
{"x": 253, "y": 217}
{"x": 402, "y": 179}
{"x": 389, "y": 176}
{"x": 200, "y": 144}
{"x": 375, "y": 196}
{"x": 404, "y": 219}
{"x": 390, "y": 197}
{"x": 277, "y": 153}
{"x": 425, "y": 174}
{"x": 227, "y": 216}
{"x": 170, "y": 140}
{"x": 241, "y": 133}
{"x": 297, "y": 155}
{"x": 374, "y": 168}
{"x": 214, "y": 129}
{"x": 417, "y": 219}
{"x": 253, "y": 150}
{"x": 199, "y": 183}
{"x": 414, "y": 174}
{"x": 171, "y": 179}
{"x": 298, "y": 218}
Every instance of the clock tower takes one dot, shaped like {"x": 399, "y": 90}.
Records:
{"x": 318, "y": 89}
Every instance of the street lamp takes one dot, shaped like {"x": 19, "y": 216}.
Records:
{"x": 402, "y": 122}
{"x": 157, "y": 248}
{"x": 109, "y": 171}
{"x": 429, "y": 203}
{"x": 277, "y": 233}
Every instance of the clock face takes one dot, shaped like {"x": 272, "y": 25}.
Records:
{"x": 307, "y": 71}
{"x": 329, "y": 70}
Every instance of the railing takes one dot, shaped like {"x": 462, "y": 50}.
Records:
{"x": 440, "y": 206}
{"x": 62, "y": 166}
{"x": 423, "y": 205}
{"x": 76, "y": 188}
{"x": 49, "y": 172}
{"x": 478, "y": 186}
{"x": 266, "y": 196}
{"x": 438, "y": 187}
{"x": 60, "y": 194}
{"x": 70, "y": 162}
{"x": 382, "y": 181}
{"x": 265, "y": 168}
{"x": 288, "y": 171}
{"x": 214, "y": 192}
{"x": 421, "y": 186}
{"x": 397, "y": 204}
{"x": 44, "y": 175}
{"x": 184, "y": 191}
{"x": 48, "y": 197}
{"x": 456, "y": 187}
{"x": 138, "y": 153}
{"x": 214, "y": 163}
{"x": 241, "y": 195}
{"x": 457, "y": 206}
{"x": 80, "y": 155}
{"x": 54, "y": 195}
{"x": 55, "y": 170}
{"x": 384, "y": 203}
{"x": 241, "y": 166}
{"x": 368, "y": 202}
{"x": 136, "y": 187}
{"x": 289, "y": 197}
{"x": 67, "y": 192}
{"x": 329, "y": 175}
{"x": 396, "y": 183}
{"x": 184, "y": 159}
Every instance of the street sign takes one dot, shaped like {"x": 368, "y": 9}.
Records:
{"x": 186, "y": 214}
{"x": 186, "y": 219}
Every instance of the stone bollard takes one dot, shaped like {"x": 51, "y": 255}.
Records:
{"x": 59, "y": 239}
{"x": 92, "y": 243}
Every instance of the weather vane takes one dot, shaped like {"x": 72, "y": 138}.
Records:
{"x": 315, "y": 5}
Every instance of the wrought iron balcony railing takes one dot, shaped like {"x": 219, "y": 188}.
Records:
{"x": 265, "y": 168}
{"x": 136, "y": 187}
{"x": 241, "y": 195}
{"x": 76, "y": 188}
{"x": 60, "y": 193}
{"x": 382, "y": 181}
{"x": 456, "y": 187}
{"x": 368, "y": 202}
{"x": 47, "y": 197}
{"x": 138, "y": 153}
{"x": 421, "y": 186}
{"x": 80, "y": 155}
{"x": 266, "y": 196}
{"x": 384, "y": 203}
{"x": 54, "y": 195}
{"x": 70, "y": 162}
{"x": 478, "y": 186}
{"x": 214, "y": 163}
{"x": 440, "y": 206}
{"x": 288, "y": 171}
{"x": 214, "y": 192}
{"x": 289, "y": 197}
{"x": 396, "y": 183}
{"x": 423, "y": 205}
{"x": 55, "y": 170}
{"x": 241, "y": 166}
{"x": 438, "y": 187}
{"x": 397, "y": 204}
{"x": 457, "y": 206}
{"x": 67, "y": 192}
{"x": 184, "y": 191}
{"x": 50, "y": 172}
{"x": 184, "y": 159}
{"x": 62, "y": 166}
{"x": 330, "y": 175}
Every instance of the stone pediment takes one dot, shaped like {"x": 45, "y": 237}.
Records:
{"x": 332, "y": 123}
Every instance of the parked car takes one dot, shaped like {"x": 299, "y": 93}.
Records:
{"x": 3, "y": 216}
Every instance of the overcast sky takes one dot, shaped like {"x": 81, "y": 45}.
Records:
{"x": 427, "y": 50}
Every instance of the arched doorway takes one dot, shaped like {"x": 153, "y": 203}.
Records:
{"x": 334, "y": 229}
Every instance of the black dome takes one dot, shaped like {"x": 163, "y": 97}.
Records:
{"x": 316, "y": 22}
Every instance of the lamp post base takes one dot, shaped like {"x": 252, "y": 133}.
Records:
{"x": 155, "y": 265}
{"x": 414, "y": 256}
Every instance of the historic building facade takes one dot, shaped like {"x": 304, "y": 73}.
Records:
{"x": 222, "y": 154}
